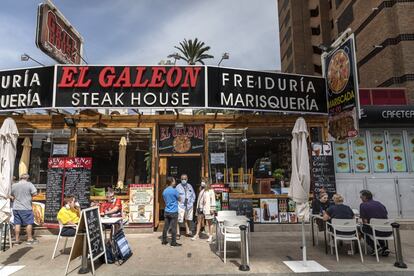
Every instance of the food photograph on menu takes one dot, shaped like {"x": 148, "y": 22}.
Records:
{"x": 378, "y": 152}
{"x": 341, "y": 156}
{"x": 360, "y": 154}
{"x": 397, "y": 154}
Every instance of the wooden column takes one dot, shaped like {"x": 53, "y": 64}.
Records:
{"x": 207, "y": 128}
{"x": 73, "y": 142}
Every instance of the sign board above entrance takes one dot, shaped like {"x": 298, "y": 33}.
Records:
{"x": 143, "y": 87}
{"x": 56, "y": 37}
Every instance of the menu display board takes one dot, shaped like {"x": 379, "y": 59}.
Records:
{"x": 323, "y": 171}
{"x": 67, "y": 176}
{"x": 243, "y": 207}
{"x": 78, "y": 179}
{"x": 269, "y": 210}
{"x": 94, "y": 231}
{"x": 378, "y": 152}
{"x": 397, "y": 154}
{"x": 54, "y": 188}
{"x": 141, "y": 198}
{"x": 359, "y": 146}
{"x": 342, "y": 157}
{"x": 411, "y": 147}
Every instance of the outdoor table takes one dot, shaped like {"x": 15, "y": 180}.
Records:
{"x": 111, "y": 222}
{"x": 319, "y": 217}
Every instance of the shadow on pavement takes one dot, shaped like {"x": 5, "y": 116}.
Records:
{"x": 15, "y": 257}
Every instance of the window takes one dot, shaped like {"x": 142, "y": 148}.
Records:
{"x": 314, "y": 12}
{"x": 391, "y": 96}
{"x": 316, "y": 30}
{"x": 346, "y": 18}
{"x": 316, "y": 50}
{"x": 317, "y": 69}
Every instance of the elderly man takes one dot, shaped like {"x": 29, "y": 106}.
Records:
{"x": 21, "y": 194}
{"x": 112, "y": 207}
{"x": 185, "y": 207}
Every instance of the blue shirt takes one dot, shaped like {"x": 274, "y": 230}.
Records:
{"x": 340, "y": 211}
{"x": 170, "y": 196}
{"x": 186, "y": 192}
{"x": 372, "y": 209}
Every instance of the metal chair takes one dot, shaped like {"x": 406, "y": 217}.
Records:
{"x": 5, "y": 230}
{"x": 349, "y": 232}
{"x": 379, "y": 226}
{"x": 61, "y": 226}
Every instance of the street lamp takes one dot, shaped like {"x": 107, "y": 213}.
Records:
{"x": 175, "y": 56}
{"x": 223, "y": 57}
{"x": 26, "y": 57}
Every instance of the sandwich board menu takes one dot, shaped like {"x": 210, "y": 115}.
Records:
{"x": 323, "y": 170}
{"x": 67, "y": 176}
{"x": 90, "y": 227}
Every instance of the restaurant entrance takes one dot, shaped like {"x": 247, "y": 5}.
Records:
{"x": 175, "y": 166}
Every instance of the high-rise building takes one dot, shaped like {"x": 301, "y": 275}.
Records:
{"x": 384, "y": 32}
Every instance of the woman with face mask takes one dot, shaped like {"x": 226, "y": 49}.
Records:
{"x": 206, "y": 207}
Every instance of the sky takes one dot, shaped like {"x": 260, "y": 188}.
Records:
{"x": 146, "y": 31}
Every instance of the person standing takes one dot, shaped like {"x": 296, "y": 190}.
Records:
{"x": 185, "y": 207}
{"x": 171, "y": 199}
{"x": 369, "y": 209}
{"x": 21, "y": 194}
{"x": 206, "y": 207}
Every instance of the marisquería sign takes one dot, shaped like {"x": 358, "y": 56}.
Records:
{"x": 265, "y": 91}
{"x": 26, "y": 88}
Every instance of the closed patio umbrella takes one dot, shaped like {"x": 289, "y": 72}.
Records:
{"x": 299, "y": 190}
{"x": 8, "y": 142}
{"x": 25, "y": 158}
{"x": 121, "y": 163}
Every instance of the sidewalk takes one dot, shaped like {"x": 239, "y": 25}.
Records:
{"x": 269, "y": 250}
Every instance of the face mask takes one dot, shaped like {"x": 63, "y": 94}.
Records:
{"x": 203, "y": 184}
{"x": 67, "y": 206}
{"x": 183, "y": 181}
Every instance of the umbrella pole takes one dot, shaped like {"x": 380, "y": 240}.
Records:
{"x": 303, "y": 243}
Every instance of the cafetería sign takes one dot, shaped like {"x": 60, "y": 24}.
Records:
{"x": 197, "y": 87}
{"x": 56, "y": 37}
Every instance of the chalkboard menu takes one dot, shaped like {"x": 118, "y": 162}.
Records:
{"x": 94, "y": 231}
{"x": 67, "y": 176}
{"x": 54, "y": 188}
{"x": 323, "y": 170}
{"x": 78, "y": 179}
{"x": 243, "y": 207}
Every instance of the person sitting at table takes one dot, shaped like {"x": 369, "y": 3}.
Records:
{"x": 369, "y": 209}
{"x": 69, "y": 214}
{"x": 319, "y": 205}
{"x": 112, "y": 207}
{"x": 338, "y": 211}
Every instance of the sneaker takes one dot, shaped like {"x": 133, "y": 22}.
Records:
{"x": 175, "y": 244}
{"x": 178, "y": 237}
{"x": 210, "y": 239}
{"x": 31, "y": 242}
{"x": 194, "y": 238}
{"x": 16, "y": 242}
{"x": 164, "y": 242}
{"x": 385, "y": 252}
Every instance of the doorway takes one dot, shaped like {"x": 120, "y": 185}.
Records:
{"x": 175, "y": 166}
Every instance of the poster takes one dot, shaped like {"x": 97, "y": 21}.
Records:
{"x": 256, "y": 210}
{"x": 217, "y": 158}
{"x": 60, "y": 149}
{"x": 339, "y": 70}
{"x": 141, "y": 207}
{"x": 269, "y": 210}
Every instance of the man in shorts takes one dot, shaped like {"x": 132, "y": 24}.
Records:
{"x": 185, "y": 206}
{"x": 21, "y": 194}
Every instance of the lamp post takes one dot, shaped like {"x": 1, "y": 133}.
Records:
{"x": 223, "y": 57}
{"x": 26, "y": 57}
{"x": 175, "y": 56}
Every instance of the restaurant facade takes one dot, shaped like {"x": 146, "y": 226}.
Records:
{"x": 129, "y": 127}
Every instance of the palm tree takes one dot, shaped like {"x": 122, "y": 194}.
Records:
{"x": 193, "y": 51}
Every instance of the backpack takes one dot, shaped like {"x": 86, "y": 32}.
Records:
{"x": 121, "y": 247}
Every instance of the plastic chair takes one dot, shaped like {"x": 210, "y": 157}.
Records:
{"x": 61, "y": 226}
{"x": 345, "y": 226}
{"x": 379, "y": 225}
{"x": 222, "y": 215}
{"x": 231, "y": 233}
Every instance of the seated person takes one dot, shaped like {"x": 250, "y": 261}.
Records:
{"x": 338, "y": 211}
{"x": 69, "y": 214}
{"x": 112, "y": 207}
{"x": 369, "y": 209}
{"x": 319, "y": 205}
